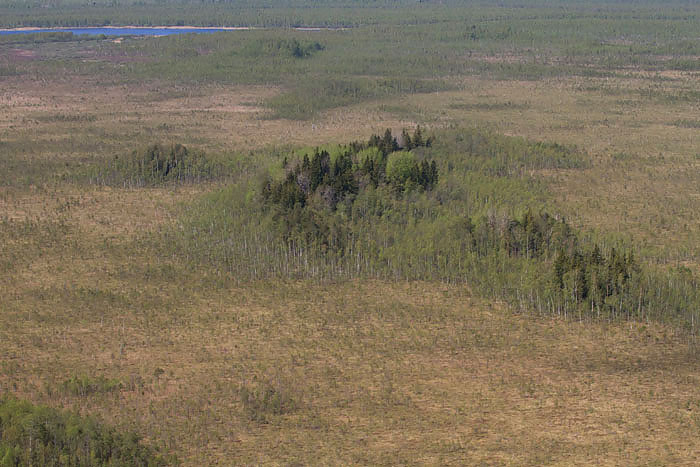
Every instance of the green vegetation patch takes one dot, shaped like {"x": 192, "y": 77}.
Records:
{"x": 488, "y": 151}
{"x": 66, "y": 118}
{"x": 154, "y": 165}
{"x": 457, "y": 206}
{"x": 8, "y": 71}
{"x": 488, "y": 106}
{"x": 328, "y": 182}
{"x": 310, "y": 96}
{"x": 284, "y": 47}
{"x": 39, "y": 435}
{"x": 383, "y": 207}
{"x": 687, "y": 123}
{"x": 84, "y": 386}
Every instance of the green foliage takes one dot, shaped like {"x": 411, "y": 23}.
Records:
{"x": 416, "y": 141}
{"x": 84, "y": 386}
{"x": 324, "y": 217}
{"x": 310, "y": 96}
{"x": 509, "y": 156}
{"x": 325, "y": 182}
{"x": 405, "y": 172}
{"x": 285, "y": 47}
{"x": 399, "y": 166}
{"x": 156, "y": 164}
{"x": 38, "y": 435}
{"x": 8, "y": 71}
{"x": 687, "y": 123}
{"x": 481, "y": 222}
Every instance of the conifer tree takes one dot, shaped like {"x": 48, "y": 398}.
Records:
{"x": 407, "y": 144}
{"x": 561, "y": 265}
{"x": 433, "y": 174}
{"x": 418, "y": 137}
{"x": 389, "y": 143}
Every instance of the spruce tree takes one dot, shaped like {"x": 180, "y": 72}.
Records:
{"x": 418, "y": 137}
{"x": 389, "y": 143}
{"x": 433, "y": 174}
{"x": 407, "y": 144}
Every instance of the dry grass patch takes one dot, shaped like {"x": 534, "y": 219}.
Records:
{"x": 372, "y": 373}
{"x": 55, "y": 121}
{"x": 360, "y": 372}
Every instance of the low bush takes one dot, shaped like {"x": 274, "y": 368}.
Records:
{"x": 266, "y": 397}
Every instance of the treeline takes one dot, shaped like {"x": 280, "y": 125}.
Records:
{"x": 38, "y": 435}
{"x": 155, "y": 164}
{"x": 475, "y": 219}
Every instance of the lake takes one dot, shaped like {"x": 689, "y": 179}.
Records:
{"x": 121, "y": 31}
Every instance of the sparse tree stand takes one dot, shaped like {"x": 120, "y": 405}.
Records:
{"x": 155, "y": 165}
{"x": 367, "y": 210}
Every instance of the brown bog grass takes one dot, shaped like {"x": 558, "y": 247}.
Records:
{"x": 360, "y": 372}
{"x": 82, "y": 118}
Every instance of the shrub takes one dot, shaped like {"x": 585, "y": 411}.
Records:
{"x": 267, "y": 397}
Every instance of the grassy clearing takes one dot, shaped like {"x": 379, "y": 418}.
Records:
{"x": 50, "y": 125}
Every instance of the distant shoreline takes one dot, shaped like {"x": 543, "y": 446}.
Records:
{"x": 207, "y": 28}
{"x": 212, "y": 28}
